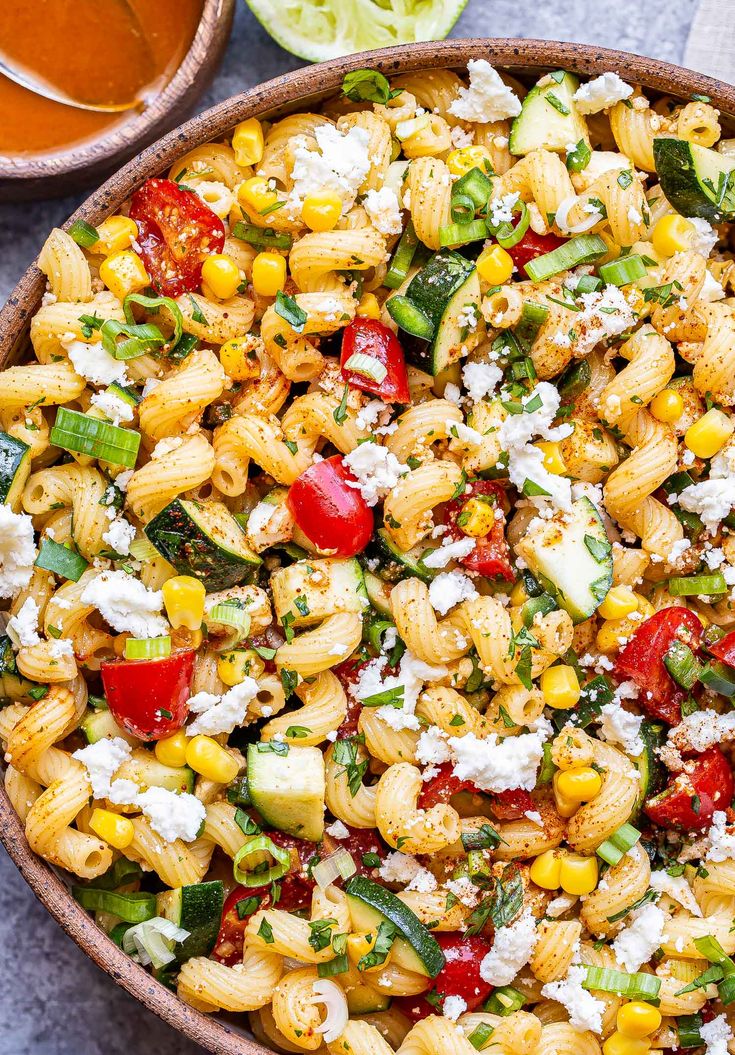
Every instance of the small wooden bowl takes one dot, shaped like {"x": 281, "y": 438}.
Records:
{"x": 301, "y": 89}
{"x": 25, "y": 178}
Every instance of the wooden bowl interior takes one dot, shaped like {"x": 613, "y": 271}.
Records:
{"x": 298, "y": 90}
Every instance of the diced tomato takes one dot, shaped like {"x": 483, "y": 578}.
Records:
{"x": 148, "y": 697}
{"x": 441, "y": 787}
{"x": 361, "y": 841}
{"x": 724, "y": 649}
{"x": 533, "y": 245}
{"x": 460, "y": 976}
{"x": 333, "y": 515}
{"x": 176, "y": 232}
{"x": 705, "y": 785}
{"x": 512, "y": 804}
{"x": 348, "y": 674}
{"x": 642, "y": 660}
{"x": 491, "y": 555}
{"x": 370, "y": 337}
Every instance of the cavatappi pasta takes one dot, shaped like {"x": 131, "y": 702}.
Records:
{"x": 367, "y": 546}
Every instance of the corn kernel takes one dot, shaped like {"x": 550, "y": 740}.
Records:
{"x": 708, "y": 435}
{"x": 115, "y": 233}
{"x": 619, "y": 602}
{"x": 578, "y": 874}
{"x": 221, "y": 275}
{"x": 321, "y": 210}
{"x": 171, "y": 751}
{"x": 519, "y": 594}
{"x": 581, "y": 784}
{"x": 553, "y": 460}
{"x": 239, "y": 359}
{"x": 644, "y": 606}
{"x": 611, "y": 635}
{"x": 495, "y": 265}
{"x": 672, "y": 234}
{"x": 269, "y": 274}
{"x": 560, "y": 686}
{"x": 460, "y": 161}
{"x": 617, "y": 1044}
{"x": 667, "y": 406}
{"x": 123, "y": 273}
{"x": 116, "y": 830}
{"x": 248, "y": 143}
{"x": 546, "y": 870}
{"x": 360, "y": 944}
{"x": 183, "y": 596}
{"x": 638, "y": 1019}
{"x": 237, "y": 664}
{"x": 369, "y": 306}
{"x": 255, "y": 195}
{"x": 564, "y": 807}
{"x": 205, "y": 756}
{"x": 477, "y": 518}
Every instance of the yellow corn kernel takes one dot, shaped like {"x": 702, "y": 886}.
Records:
{"x": 546, "y": 870}
{"x": 667, "y": 406}
{"x": 553, "y": 460}
{"x": 645, "y": 607}
{"x": 581, "y": 784}
{"x": 495, "y": 265}
{"x": 171, "y": 751}
{"x": 183, "y": 596}
{"x": 116, "y": 830}
{"x": 269, "y": 274}
{"x": 560, "y": 686}
{"x": 221, "y": 275}
{"x": 519, "y": 594}
{"x": 237, "y": 664}
{"x": 708, "y": 435}
{"x": 619, "y": 602}
{"x": 256, "y": 196}
{"x": 617, "y": 1044}
{"x": 460, "y": 161}
{"x": 612, "y": 635}
{"x": 638, "y": 1019}
{"x": 321, "y": 210}
{"x": 123, "y": 273}
{"x": 369, "y": 306}
{"x": 205, "y": 756}
{"x": 239, "y": 359}
{"x": 564, "y": 807}
{"x": 247, "y": 142}
{"x": 360, "y": 944}
{"x": 578, "y": 874}
{"x": 672, "y": 234}
{"x": 115, "y": 233}
{"x": 477, "y": 518}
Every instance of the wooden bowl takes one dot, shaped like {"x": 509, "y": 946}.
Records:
{"x": 296, "y": 90}
{"x": 24, "y": 178}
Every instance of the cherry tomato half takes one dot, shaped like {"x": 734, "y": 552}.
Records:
{"x": 460, "y": 976}
{"x": 371, "y": 337}
{"x": 705, "y": 785}
{"x": 333, "y": 515}
{"x": 491, "y": 555}
{"x": 148, "y": 697}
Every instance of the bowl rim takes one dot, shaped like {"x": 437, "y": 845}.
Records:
{"x": 302, "y": 85}
{"x": 199, "y": 61}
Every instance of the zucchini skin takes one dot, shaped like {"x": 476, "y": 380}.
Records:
{"x": 677, "y": 172}
{"x": 431, "y": 290}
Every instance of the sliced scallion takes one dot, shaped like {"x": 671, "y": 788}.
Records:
{"x": 83, "y": 233}
{"x": 622, "y": 840}
{"x": 504, "y": 1001}
{"x": 622, "y": 271}
{"x": 718, "y": 677}
{"x": 533, "y": 316}
{"x": 462, "y": 208}
{"x": 480, "y": 1035}
{"x": 133, "y": 908}
{"x": 140, "y": 338}
{"x": 339, "y": 865}
{"x": 588, "y": 284}
{"x": 61, "y": 561}
{"x": 697, "y": 585}
{"x": 367, "y": 366}
{"x": 152, "y": 942}
{"x": 688, "y": 1027}
{"x": 476, "y": 185}
{"x": 580, "y": 250}
{"x": 506, "y": 233}
{"x": 402, "y": 258}
{"x": 74, "y": 431}
{"x": 152, "y": 304}
{"x": 261, "y": 848}
{"x": 262, "y": 238}
{"x": 230, "y": 615}
{"x": 143, "y": 550}
{"x": 682, "y": 664}
{"x": 637, "y": 986}
{"x": 462, "y": 233}
{"x": 147, "y": 647}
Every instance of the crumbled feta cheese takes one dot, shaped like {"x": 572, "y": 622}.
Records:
{"x": 432, "y": 747}
{"x": 450, "y": 588}
{"x": 511, "y": 950}
{"x": 702, "y": 729}
{"x": 368, "y": 415}
{"x": 112, "y": 406}
{"x": 338, "y": 830}
{"x": 399, "y": 868}
{"x": 452, "y": 393}
{"x": 717, "y": 1035}
{"x": 711, "y": 289}
{"x": 171, "y": 814}
{"x": 123, "y": 479}
{"x": 467, "y": 317}
{"x": 501, "y": 209}
{"x": 61, "y": 648}
{"x": 453, "y": 1007}
{"x": 712, "y": 499}
{"x": 221, "y": 714}
{"x": 601, "y": 93}
{"x": 619, "y": 726}
{"x": 678, "y": 549}
{"x": 342, "y": 163}
{"x": 22, "y": 628}
{"x": 377, "y": 471}
{"x": 481, "y": 379}
{"x": 487, "y": 99}
{"x": 126, "y": 604}
{"x": 604, "y": 314}
{"x": 119, "y": 535}
{"x": 636, "y": 943}
{"x": 449, "y": 551}
{"x": 94, "y": 364}
{"x": 677, "y": 888}
{"x": 705, "y": 238}
{"x": 166, "y": 446}
{"x": 423, "y": 882}
{"x": 721, "y": 842}
{"x": 585, "y": 1010}
{"x": 412, "y": 674}
{"x": 461, "y": 138}
{"x": 464, "y": 890}
{"x": 17, "y": 551}
{"x": 464, "y": 433}
{"x": 499, "y": 764}
{"x": 101, "y": 761}
{"x": 526, "y": 461}
{"x": 534, "y": 817}
{"x": 383, "y": 210}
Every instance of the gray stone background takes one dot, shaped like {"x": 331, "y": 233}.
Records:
{"x": 53, "y": 1000}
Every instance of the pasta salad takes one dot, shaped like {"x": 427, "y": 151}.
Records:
{"x": 368, "y": 546}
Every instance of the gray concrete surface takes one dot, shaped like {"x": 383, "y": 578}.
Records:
{"x": 53, "y": 1000}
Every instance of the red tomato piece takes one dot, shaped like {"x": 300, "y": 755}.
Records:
{"x": 533, "y": 245}
{"x": 333, "y": 515}
{"x": 441, "y": 787}
{"x": 491, "y": 555}
{"x": 348, "y": 674}
{"x": 642, "y": 659}
{"x": 370, "y": 337}
{"x": 176, "y": 232}
{"x": 512, "y": 804}
{"x": 460, "y": 976}
{"x": 148, "y": 697}
{"x": 361, "y": 841}
{"x": 693, "y": 796}
{"x": 724, "y": 649}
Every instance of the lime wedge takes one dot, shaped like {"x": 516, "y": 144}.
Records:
{"x": 325, "y": 29}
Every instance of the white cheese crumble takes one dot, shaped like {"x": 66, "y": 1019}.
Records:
{"x": 525, "y": 461}
{"x": 119, "y": 535}
{"x": 449, "y": 551}
{"x": 481, "y": 380}
{"x": 101, "y": 761}
{"x": 221, "y": 714}
{"x": 677, "y": 888}
{"x": 412, "y": 674}
{"x": 636, "y": 943}
{"x": 487, "y": 99}
{"x": 716, "y": 1035}
{"x": 619, "y": 726}
{"x": 22, "y": 628}
{"x": 112, "y": 406}
{"x": 585, "y": 1010}
{"x": 377, "y": 471}
{"x": 721, "y": 842}
{"x": 601, "y": 93}
{"x": 712, "y": 499}
{"x": 17, "y": 551}
{"x": 705, "y": 238}
{"x": 368, "y": 415}
{"x": 432, "y": 747}
{"x": 171, "y": 814}
{"x": 423, "y": 882}
{"x": 94, "y": 364}
{"x": 604, "y": 314}
{"x": 383, "y": 210}
{"x": 450, "y": 588}
{"x": 399, "y": 868}
{"x": 126, "y": 604}
{"x": 342, "y": 163}
{"x": 338, "y": 830}
{"x": 453, "y": 1007}
{"x": 61, "y": 648}
{"x": 495, "y": 764}
{"x": 711, "y": 289}
{"x": 511, "y": 950}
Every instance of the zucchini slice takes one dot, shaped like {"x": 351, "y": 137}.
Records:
{"x": 144, "y": 768}
{"x": 15, "y": 468}
{"x": 203, "y": 539}
{"x": 288, "y": 789}
{"x": 198, "y": 909}
{"x": 13, "y": 686}
{"x": 697, "y": 181}
{"x": 543, "y": 123}
{"x": 397, "y": 564}
{"x": 309, "y": 590}
{"x": 98, "y": 725}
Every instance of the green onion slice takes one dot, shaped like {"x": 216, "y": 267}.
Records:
{"x": 462, "y": 233}
{"x": 230, "y": 615}
{"x": 133, "y": 908}
{"x": 74, "y": 431}
{"x": 504, "y": 1001}
{"x": 624, "y": 839}
{"x": 141, "y": 338}
{"x": 637, "y": 986}
{"x": 151, "y": 304}
{"x": 83, "y": 233}
{"x": 718, "y": 677}
{"x": 480, "y": 1035}
{"x": 623, "y": 271}
{"x": 580, "y": 250}
{"x": 61, "y": 561}
{"x": 261, "y": 847}
{"x": 476, "y": 185}
{"x": 402, "y": 258}
{"x": 688, "y": 1027}
{"x": 696, "y": 585}
{"x": 367, "y": 366}
{"x": 143, "y": 550}
{"x": 261, "y": 237}
{"x": 508, "y": 235}
{"x": 462, "y": 208}
{"x": 147, "y": 647}
{"x": 152, "y": 942}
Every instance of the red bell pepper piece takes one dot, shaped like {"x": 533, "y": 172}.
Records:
{"x": 176, "y": 233}
{"x": 533, "y": 245}
{"x": 491, "y": 555}
{"x": 506, "y": 805}
{"x": 705, "y": 785}
{"x": 460, "y": 976}
{"x": 371, "y": 337}
{"x": 333, "y": 515}
{"x": 148, "y": 697}
{"x": 512, "y": 804}
{"x": 642, "y": 660}
{"x": 724, "y": 649}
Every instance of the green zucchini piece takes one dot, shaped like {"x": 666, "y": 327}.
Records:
{"x": 198, "y": 909}
{"x": 542, "y": 123}
{"x": 378, "y": 593}
{"x": 144, "y": 768}
{"x": 15, "y": 468}
{"x": 309, "y": 590}
{"x": 362, "y": 1000}
{"x": 13, "y": 686}
{"x": 696, "y": 180}
{"x": 398, "y": 564}
{"x": 651, "y": 771}
{"x": 287, "y": 787}
{"x": 98, "y": 724}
